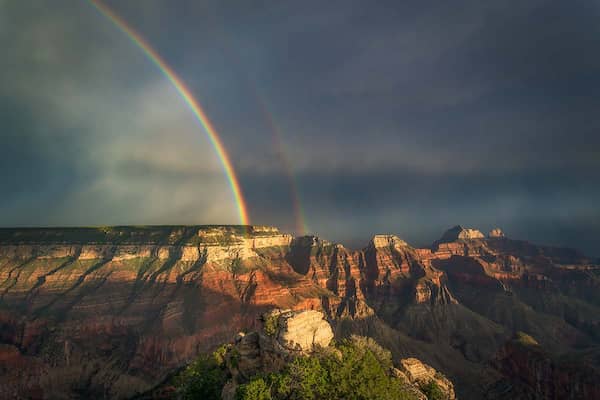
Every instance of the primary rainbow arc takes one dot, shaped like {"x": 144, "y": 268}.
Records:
{"x": 189, "y": 99}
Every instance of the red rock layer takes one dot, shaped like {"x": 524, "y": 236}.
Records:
{"x": 114, "y": 319}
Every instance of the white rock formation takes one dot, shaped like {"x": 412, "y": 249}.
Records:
{"x": 303, "y": 330}
{"x": 380, "y": 241}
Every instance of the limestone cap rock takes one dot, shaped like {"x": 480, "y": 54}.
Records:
{"x": 496, "y": 233}
{"x": 380, "y": 241}
{"x": 264, "y": 229}
{"x": 459, "y": 233}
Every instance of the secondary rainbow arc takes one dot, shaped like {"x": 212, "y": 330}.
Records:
{"x": 276, "y": 134}
{"x": 300, "y": 219}
{"x": 189, "y": 99}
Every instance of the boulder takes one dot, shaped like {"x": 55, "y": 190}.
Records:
{"x": 303, "y": 330}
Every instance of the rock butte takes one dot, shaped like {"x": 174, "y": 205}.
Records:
{"x": 460, "y": 233}
{"x": 496, "y": 233}
{"x": 110, "y": 312}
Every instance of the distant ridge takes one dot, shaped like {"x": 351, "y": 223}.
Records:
{"x": 147, "y": 234}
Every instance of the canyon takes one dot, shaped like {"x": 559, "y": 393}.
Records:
{"x": 113, "y": 312}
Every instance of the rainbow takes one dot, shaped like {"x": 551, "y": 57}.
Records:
{"x": 300, "y": 220}
{"x": 189, "y": 99}
{"x": 278, "y": 144}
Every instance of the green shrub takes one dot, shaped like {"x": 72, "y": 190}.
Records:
{"x": 433, "y": 391}
{"x": 234, "y": 358}
{"x": 384, "y": 356}
{"x": 219, "y": 354}
{"x": 356, "y": 375}
{"x": 271, "y": 324}
{"x": 359, "y": 375}
{"x": 202, "y": 379}
{"x": 308, "y": 379}
{"x": 256, "y": 389}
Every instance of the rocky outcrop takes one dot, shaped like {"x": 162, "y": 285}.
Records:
{"x": 302, "y": 331}
{"x": 420, "y": 374}
{"x": 285, "y": 334}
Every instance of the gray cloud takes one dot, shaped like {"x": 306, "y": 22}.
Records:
{"x": 93, "y": 133}
{"x": 399, "y": 117}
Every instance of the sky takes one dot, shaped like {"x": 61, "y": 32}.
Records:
{"x": 402, "y": 117}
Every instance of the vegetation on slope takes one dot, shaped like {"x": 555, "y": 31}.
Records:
{"x": 204, "y": 378}
{"x": 356, "y": 369}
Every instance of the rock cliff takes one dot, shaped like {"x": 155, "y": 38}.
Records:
{"x": 110, "y": 312}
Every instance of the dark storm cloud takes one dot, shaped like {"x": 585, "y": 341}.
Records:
{"x": 403, "y": 117}
{"x": 534, "y": 205}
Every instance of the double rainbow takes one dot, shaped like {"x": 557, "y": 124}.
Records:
{"x": 189, "y": 99}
